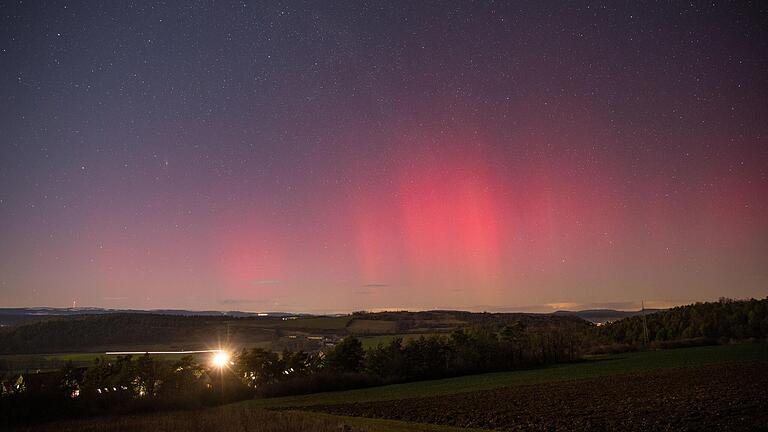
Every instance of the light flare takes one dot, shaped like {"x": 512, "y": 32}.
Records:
{"x": 221, "y": 359}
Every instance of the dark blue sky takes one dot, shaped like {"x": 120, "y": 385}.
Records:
{"x": 344, "y": 155}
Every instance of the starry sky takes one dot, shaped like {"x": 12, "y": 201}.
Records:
{"x": 337, "y": 156}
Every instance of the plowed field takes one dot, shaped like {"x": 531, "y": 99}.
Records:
{"x": 719, "y": 397}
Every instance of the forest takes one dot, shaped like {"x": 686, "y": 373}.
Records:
{"x": 725, "y": 320}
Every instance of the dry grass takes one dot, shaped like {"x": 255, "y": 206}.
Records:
{"x": 229, "y": 418}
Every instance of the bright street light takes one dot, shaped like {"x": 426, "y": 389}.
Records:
{"x": 220, "y": 359}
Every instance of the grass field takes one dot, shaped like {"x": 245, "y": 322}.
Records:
{"x": 594, "y": 367}
{"x": 318, "y": 323}
{"x": 373, "y": 341}
{"x": 363, "y": 327}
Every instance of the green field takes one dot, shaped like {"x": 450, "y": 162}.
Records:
{"x": 595, "y": 366}
{"x": 373, "y": 341}
{"x": 317, "y": 323}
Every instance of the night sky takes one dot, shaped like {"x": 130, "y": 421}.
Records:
{"x": 336, "y": 156}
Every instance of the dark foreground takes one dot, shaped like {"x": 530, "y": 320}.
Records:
{"x": 726, "y": 397}
{"x": 229, "y": 418}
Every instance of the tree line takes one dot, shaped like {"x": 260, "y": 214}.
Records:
{"x": 702, "y": 323}
{"x": 135, "y": 383}
{"x": 464, "y": 351}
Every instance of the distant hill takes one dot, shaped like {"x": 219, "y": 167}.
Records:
{"x": 46, "y": 330}
{"x": 102, "y": 332}
{"x": 601, "y": 316}
{"x": 447, "y": 320}
{"x": 14, "y": 316}
{"x": 114, "y": 330}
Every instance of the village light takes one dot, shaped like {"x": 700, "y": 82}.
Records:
{"x": 220, "y": 359}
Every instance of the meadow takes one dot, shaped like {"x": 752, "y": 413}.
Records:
{"x": 322, "y": 323}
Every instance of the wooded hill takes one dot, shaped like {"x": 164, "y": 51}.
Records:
{"x": 90, "y": 333}
{"x": 724, "y": 319}
{"x": 93, "y": 333}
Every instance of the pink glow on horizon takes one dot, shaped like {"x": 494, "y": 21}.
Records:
{"x": 450, "y": 217}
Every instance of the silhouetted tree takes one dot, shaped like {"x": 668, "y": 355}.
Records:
{"x": 258, "y": 367}
{"x": 347, "y": 356}
{"x": 386, "y": 361}
{"x": 70, "y": 380}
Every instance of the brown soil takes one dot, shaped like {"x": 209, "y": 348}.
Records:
{"x": 724, "y": 397}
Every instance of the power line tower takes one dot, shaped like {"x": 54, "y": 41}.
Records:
{"x": 645, "y": 323}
